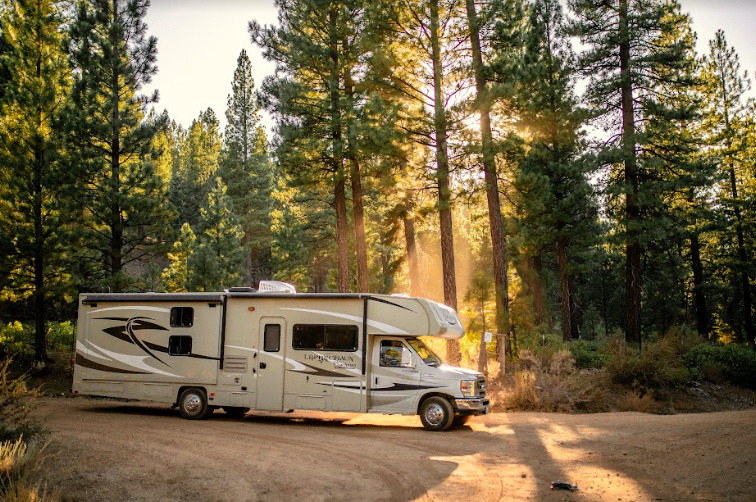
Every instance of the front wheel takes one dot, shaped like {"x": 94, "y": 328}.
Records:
{"x": 193, "y": 404}
{"x": 436, "y": 414}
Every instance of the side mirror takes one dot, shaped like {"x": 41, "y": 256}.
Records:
{"x": 406, "y": 357}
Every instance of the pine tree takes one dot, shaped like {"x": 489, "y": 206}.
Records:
{"x": 175, "y": 277}
{"x": 200, "y": 149}
{"x": 623, "y": 50}
{"x": 727, "y": 121}
{"x": 682, "y": 178}
{"x": 557, "y": 207}
{"x": 216, "y": 260}
{"x": 323, "y": 113}
{"x": 247, "y": 171}
{"x": 483, "y": 103}
{"x": 33, "y": 221}
{"x": 424, "y": 82}
{"x": 126, "y": 212}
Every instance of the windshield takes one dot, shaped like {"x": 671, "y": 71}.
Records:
{"x": 424, "y": 352}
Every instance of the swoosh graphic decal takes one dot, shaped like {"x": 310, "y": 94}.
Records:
{"x": 130, "y": 330}
{"x": 88, "y": 363}
{"x": 386, "y": 328}
{"x": 404, "y": 386}
{"x": 135, "y": 362}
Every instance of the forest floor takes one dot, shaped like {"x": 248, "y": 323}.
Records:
{"x": 113, "y": 450}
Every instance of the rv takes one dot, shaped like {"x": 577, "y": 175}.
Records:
{"x": 275, "y": 350}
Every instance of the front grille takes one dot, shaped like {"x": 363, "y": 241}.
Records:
{"x": 481, "y": 387}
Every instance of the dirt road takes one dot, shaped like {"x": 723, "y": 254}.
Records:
{"x": 109, "y": 450}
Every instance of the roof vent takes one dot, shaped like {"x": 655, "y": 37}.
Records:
{"x": 276, "y": 287}
{"x": 241, "y": 289}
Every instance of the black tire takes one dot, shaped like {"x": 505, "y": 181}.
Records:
{"x": 436, "y": 414}
{"x": 193, "y": 404}
{"x": 235, "y": 411}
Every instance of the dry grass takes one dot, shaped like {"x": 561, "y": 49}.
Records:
{"x": 21, "y": 471}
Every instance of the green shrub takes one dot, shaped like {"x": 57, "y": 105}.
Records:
{"x": 737, "y": 364}
{"x": 658, "y": 369}
{"x": 589, "y": 355}
{"x": 60, "y": 336}
{"x": 16, "y": 343}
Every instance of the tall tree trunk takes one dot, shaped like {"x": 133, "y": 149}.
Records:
{"x": 40, "y": 342}
{"x": 116, "y": 225}
{"x": 442, "y": 174}
{"x": 482, "y": 351}
{"x": 483, "y": 103}
{"x": 632, "y": 209}
{"x": 339, "y": 197}
{"x": 576, "y": 315}
{"x": 409, "y": 239}
{"x": 358, "y": 211}
{"x": 538, "y": 290}
{"x": 359, "y": 224}
{"x": 745, "y": 282}
{"x": 564, "y": 283}
{"x": 699, "y": 298}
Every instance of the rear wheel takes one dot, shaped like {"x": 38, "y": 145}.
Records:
{"x": 436, "y": 414}
{"x": 235, "y": 411}
{"x": 193, "y": 404}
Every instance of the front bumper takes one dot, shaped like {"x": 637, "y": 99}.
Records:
{"x": 472, "y": 406}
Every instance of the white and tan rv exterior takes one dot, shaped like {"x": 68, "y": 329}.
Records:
{"x": 275, "y": 350}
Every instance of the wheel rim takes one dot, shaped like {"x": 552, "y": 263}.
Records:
{"x": 434, "y": 414}
{"x": 192, "y": 403}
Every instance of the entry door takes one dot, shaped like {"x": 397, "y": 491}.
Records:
{"x": 271, "y": 364}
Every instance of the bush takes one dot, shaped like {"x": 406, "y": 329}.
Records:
{"x": 589, "y": 355}
{"x": 16, "y": 404}
{"x": 15, "y": 342}
{"x": 658, "y": 369}
{"x": 735, "y": 363}
{"x": 551, "y": 383}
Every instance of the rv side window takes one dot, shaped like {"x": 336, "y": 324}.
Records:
{"x": 179, "y": 345}
{"x": 272, "y": 338}
{"x": 182, "y": 317}
{"x": 338, "y": 337}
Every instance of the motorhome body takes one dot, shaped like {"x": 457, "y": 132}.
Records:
{"x": 244, "y": 349}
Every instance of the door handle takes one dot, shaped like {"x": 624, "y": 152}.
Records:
{"x": 263, "y": 366}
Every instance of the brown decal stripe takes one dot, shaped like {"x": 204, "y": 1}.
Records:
{"x": 88, "y": 363}
{"x": 405, "y": 386}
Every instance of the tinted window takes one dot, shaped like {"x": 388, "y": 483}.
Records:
{"x": 182, "y": 317}
{"x": 339, "y": 337}
{"x": 272, "y": 338}
{"x": 180, "y": 345}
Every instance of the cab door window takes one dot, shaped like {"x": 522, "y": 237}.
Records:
{"x": 391, "y": 353}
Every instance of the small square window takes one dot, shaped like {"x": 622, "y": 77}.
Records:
{"x": 272, "y": 338}
{"x": 180, "y": 345}
{"x": 182, "y": 317}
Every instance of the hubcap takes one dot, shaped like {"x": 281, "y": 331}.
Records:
{"x": 192, "y": 403}
{"x": 434, "y": 414}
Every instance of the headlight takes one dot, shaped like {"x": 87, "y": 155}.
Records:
{"x": 467, "y": 387}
